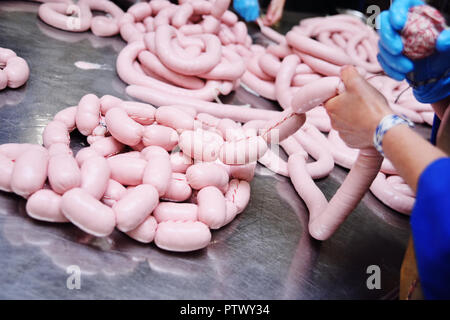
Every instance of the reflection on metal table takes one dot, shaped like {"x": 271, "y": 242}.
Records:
{"x": 266, "y": 253}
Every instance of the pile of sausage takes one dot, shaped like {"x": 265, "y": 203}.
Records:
{"x": 14, "y": 71}
{"x": 317, "y": 48}
{"x": 189, "y": 50}
{"x": 181, "y": 57}
{"x": 126, "y": 178}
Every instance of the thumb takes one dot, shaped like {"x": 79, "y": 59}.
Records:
{"x": 443, "y": 41}
{"x": 351, "y": 78}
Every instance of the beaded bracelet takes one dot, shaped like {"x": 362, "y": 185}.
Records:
{"x": 385, "y": 124}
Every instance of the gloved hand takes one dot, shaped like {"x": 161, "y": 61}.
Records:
{"x": 247, "y": 9}
{"x": 429, "y": 77}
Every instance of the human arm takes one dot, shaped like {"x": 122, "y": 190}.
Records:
{"x": 356, "y": 113}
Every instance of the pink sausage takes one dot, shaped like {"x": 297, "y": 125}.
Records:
{"x": 95, "y": 174}
{"x": 101, "y": 25}
{"x": 200, "y": 144}
{"x": 282, "y": 126}
{"x": 140, "y": 10}
{"x": 6, "y": 170}
{"x": 87, "y": 213}
{"x": 113, "y": 193}
{"x": 85, "y": 154}
{"x": 170, "y": 211}
{"x": 239, "y": 194}
{"x": 271, "y": 33}
{"x": 67, "y": 116}
{"x": 317, "y": 49}
{"x": 210, "y": 25}
{"x": 108, "y": 102}
{"x": 314, "y": 94}
{"x": 393, "y": 198}
{"x": 174, "y": 118}
{"x": 254, "y": 67}
{"x": 129, "y": 171}
{"x": 150, "y": 61}
{"x": 182, "y": 236}
{"x": 107, "y": 147}
{"x": 320, "y": 66}
{"x": 202, "y": 64}
{"x": 231, "y": 67}
{"x": 211, "y": 207}
{"x": 350, "y": 193}
{"x": 133, "y": 208}
{"x": 284, "y": 79}
{"x": 324, "y": 164}
{"x": 342, "y": 154}
{"x": 207, "y": 121}
{"x": 207, "y": 174}
{"x": 156, "y": 135}
{"x": 179, "y": 189}
{"x": 63, "y": 173}
{"x": 300, "y": 80}
{"x": 125, "y": 71}
{"x": 274, "y": 163}
{"x": 55, "y": 14}
{"x": 17, "y": 71}
{"x": 243, "y": 151}
{"x": 158, "y": 5}
{"x": 265, "y": 89}
{"x": 233, "y": 112}
{"x": 55, "y": 132}
{"x": 130, "y": 33}
{"x": 219, "y": 7}
{"x": 164, "y": 17}
{"x": 142, "y": 113}
{"x": 229, "y": 18}
{"x": 88, "y": 114}
{"x": 45, "y": 205}
{"x": 243, "y": 172}
{"x": 145, "y": 232}
{"x": 13, "y": 150}
{"x": 123, "y": 128}
{"x": 180, "y": 162}
{"x": 305, "y": 186}
{"x": 280, "y": 50}
{"x": 58, "y": 149}
{"x": 292, "y": 146}
{"x": 30, "y": 171}
{"x": 183, "y": 13}
{"x": 158, "y": 171}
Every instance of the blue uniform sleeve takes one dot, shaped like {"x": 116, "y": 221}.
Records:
{"x": 430, "y": 222}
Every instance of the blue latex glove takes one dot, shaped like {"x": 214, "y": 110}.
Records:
{"x": 247, "y": 9}
{"x": 429, "y": 77}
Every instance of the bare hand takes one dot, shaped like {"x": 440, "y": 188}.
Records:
{"x": 356, "y": 113}
{"x": 274, "y": 12}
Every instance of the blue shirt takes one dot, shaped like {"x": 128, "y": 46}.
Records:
{"x": 430, "y": 223}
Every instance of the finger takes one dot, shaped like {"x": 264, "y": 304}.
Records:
{"x": 389, "y": 71}
{"x": 443, "y": 41}
{"x": 390, "y": 38}
{"x": 399, "y": 62}
{"x": 352, "y": 79}
{"x": 398, "y": 12}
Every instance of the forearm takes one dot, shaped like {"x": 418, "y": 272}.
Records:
{"x": 409, "y": 153}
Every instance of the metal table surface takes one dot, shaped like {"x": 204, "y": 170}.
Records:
{"x": 265, "y": 253}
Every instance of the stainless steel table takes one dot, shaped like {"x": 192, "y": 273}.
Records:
{"x": 266, "y": 253}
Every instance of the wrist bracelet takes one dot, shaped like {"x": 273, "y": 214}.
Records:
{"x": 385, "y": 124}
